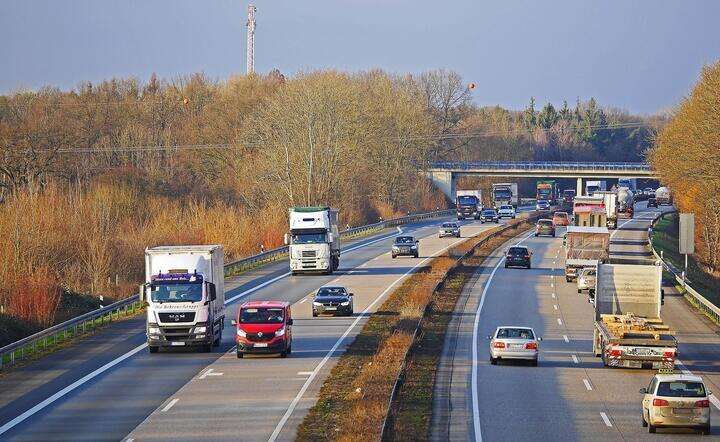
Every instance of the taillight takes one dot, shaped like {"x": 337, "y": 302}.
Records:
{"x": 703, "y": 403}
{"x": 615, "y": 352}
{"x": 669, "y": 354}
{"x": 531, "y": 346}
{"x": 498, "y": 344}
{"x": 527, "y": 256}
{"x": 660, "y": 403}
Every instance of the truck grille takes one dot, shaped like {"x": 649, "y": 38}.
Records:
{"x": 177, "y": 317}
{"x": 254, "y": 337}
{"x": 176, "y": 334}
{"x": 309, "y": 254}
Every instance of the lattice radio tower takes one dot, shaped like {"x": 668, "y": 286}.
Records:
{"x": 251, "y": 39}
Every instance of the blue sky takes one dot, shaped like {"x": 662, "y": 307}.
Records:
{"x": 639, "y": 55}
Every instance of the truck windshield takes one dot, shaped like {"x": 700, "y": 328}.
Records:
{"x": 261, "y": 316}
{"x": 502, "y": 194}
{"x": 308, "y": 238}
{"x": 467, "y": 200}
{"x": 176, "y": 292}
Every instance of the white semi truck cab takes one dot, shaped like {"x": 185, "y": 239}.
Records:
{"x": 185, "y": 295}
{"x": 313, "y": 240}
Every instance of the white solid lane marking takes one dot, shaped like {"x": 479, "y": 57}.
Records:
{"x": 552, "y": 284}
{"x": 605, "y": 419}
{"x": 713, "y": 400}
{"x": 321, "y": 364}
{"x": 555, "y": 306}
{"x": 399, "y": 229}
{"x": 303, "y": 300}
{"x": 587, "y": 384}
{"x": 575, "y": 359}
{"x": 210, "y": 372}
{"x": 170, "y": 405}
{"x": 304, "y": 373}
{"x": 10, "y": 424}
{"x": 553, "y": 295}
{"x": 559, "y": 321}
{"x": 476, "y": 329}
{"x": 566, "y": 338}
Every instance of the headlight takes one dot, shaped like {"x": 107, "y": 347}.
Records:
{"x": 241, "y": 333}
{"x": 413, "y": 247}
{"x": 345, "y": 304}
{"x": 199, "y": 330}
{"x": 317, "y": 304}
{"x": 153, "y": 330}
{"x": 280, "y": 332}
{"x": 395, "y": 248}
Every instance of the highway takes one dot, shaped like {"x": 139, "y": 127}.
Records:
{"x": 570, "y": 395}
{"x": 108, "y": 386}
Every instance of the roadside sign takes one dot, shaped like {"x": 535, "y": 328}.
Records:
{"x": 687, "y": 233}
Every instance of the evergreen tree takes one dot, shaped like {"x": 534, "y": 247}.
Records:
{"x": 529, "y": 115}
{"x": 565, "y": 113}
{"x": 548, "y": 116}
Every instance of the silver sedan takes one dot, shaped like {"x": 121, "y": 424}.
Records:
{"x": 511, "y": 342}
{"x": 449, "y": 229}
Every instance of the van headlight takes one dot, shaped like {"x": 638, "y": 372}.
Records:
{"x": 413, "y": 247}
{"x": 153, "y": 330}
{"x": 200, "y": 330}
{"x": 317, "y": 304}
{"x": 241, "y": 333}
{"x": 395, "y": 248}
{"x": 345, "y": 304}
{"x": 280, "y": 332}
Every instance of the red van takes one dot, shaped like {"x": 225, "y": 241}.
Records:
{"x": 264, "y": 327}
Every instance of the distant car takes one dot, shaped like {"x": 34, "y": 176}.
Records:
{"x": 518, "y": 256}
{"x": 332, "y": 300}
{"x": 676, "y": 400}
{"x": 506, "y": 212}
{"x": 405, "y": 246}
{"x": 489, "y": 216}
{"x": 652, "y": 202}
{"x": 449, "y": 229}
{"x": 545, "y": 227}
{"x": 649, "y": 191}
{"x": 561, "y": 219}
{"x": 586, "y": 280}
{"x": 542, "y": 205}
{"x": 510, "y": 342}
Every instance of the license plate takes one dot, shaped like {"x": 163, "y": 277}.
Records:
{"x": 177, "y": 343}
{"x": 330, "y": 308}
{"x": 517, "y": 346}
{"x": 261, "y": 344}
{"x": 682, "y": 410}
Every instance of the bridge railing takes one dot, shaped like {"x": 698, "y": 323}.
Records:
{"x": 541, "y": 165}
{"x": 52, "y": 336}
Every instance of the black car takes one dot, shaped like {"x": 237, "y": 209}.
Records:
{"x": 489, "y": 216}
{"x": 405, "y": 246}
{"x": 518, "y": 256}
{"x": 652, "y": 202}
{"x": 332, "y": 300}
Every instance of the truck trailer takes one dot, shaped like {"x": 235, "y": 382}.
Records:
{"x": 585, "y": 247}
{"x": 625, "y": 202}
{"x": 185, "y": 294}
{"x": 313, "y": 240}
{"x": 610, "y": 199}
{"x": 468, "y": 204}
{"x": 628, "y": 329}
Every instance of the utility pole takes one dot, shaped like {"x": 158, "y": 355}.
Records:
{"x": 250, "y": 57}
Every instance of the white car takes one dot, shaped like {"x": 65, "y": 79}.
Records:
{"x": 506, "y": 212}
{"x": 510, "y": 342}
{"x": 542, "y": 205}
{"x": 676, "y": 400}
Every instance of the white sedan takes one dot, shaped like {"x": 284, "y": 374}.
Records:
{"x": 510, "y": 342}
{"x": 506, "y": 212}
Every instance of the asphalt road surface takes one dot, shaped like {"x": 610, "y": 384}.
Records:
{"x": 570, "y": 395}
{"x": 108, "y": 386}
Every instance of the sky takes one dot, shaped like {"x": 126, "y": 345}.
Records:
{"x": 639, "y": 55}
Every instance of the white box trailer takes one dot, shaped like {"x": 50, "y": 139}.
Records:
{"x": 610, "y": 201}
{"x": 628, "y": 329}
{"x": 185, "y": 293}
{"x": 585, "y": 247}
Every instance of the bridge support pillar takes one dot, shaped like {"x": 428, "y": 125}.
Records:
{"x": 579, "y": 189}
{"x": 445, "y": 181}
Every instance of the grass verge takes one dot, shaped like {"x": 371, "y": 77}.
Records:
{"x": 354, "y": 400}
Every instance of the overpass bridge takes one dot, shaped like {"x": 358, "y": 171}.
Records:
{"x": 445, "y": 174}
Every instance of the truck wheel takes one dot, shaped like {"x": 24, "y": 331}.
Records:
{"x": 393, "y": 256}
{"x": 568, "y": 279}
{"x": 706, "y": 430}
{"x": 153, "y": 348}
{"x": 240, "y": 354}
{"x": 293, "y": 273}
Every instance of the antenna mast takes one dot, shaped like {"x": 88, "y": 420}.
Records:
{"x": 250, "y": 57}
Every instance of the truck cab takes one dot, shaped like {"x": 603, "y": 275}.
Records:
{"x": 264, "y": 327}
{"x": 313, "y": 240}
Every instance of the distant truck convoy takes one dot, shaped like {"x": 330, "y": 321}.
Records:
{"x": 185, "y": 294}
{"x": 662, "y": 196}
{"x": 628, "y": 330}
{"x": 313, "y": 240}
{"x": 593, "y": 186}
{"x": 505, "y": 194}
{"x": 626, "y": 202}
{"x": 468, "y": 204}
{"x": 585, "y": 247}
{"x": 546, "y": 190}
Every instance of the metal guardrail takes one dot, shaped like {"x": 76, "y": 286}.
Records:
{"x": 544, "y": 165}
{"x": 693, "y": 296}
{"x": 42, "y": 340}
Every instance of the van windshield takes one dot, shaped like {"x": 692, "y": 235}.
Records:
{"x": 176, "y": 292}
{"x": 261, "y": 316}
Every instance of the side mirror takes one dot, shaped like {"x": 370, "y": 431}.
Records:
{"x": 286, "y": 239}
{"x": 290, "y": 322}
{"x": 488, "y": 337}
{"x": 331, "y": 237}
{"x": 643, "y": 391}
{"x": 141, "y": 293}
{"x": 539, "y": 338}
{"x": 233, "y": 322}
{"x": 351, "y": 294}
{"x": 213, "y": 295}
